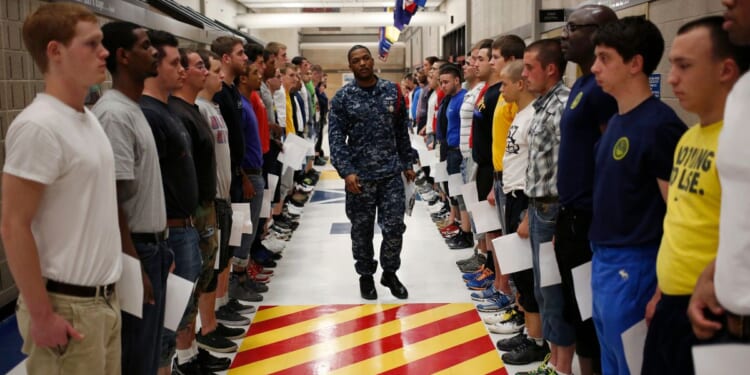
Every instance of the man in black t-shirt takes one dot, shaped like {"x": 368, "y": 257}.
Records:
{"x": 180, "y": 187}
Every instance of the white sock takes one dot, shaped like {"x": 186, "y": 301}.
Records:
{"x": 221, "y": 301}
{"x": 538, "y": 342}
{"x": 563, "y": 373}
{"x": 186, "y": 355}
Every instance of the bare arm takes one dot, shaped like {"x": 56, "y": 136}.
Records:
{"x": 663, "y": 188}
{"x": 20, "y": 205}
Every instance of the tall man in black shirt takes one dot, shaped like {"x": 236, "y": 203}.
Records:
{"x": 182, "y": 104}
{"x": 180, "y": 186}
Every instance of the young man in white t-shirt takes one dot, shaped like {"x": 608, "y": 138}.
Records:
{"x": 59, "y": 219}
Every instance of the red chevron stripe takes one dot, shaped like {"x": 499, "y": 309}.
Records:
{"x": 345, "y": 328}
{"x": 386, "y": 344}
{"x": 299, "y": 316}
{"x": 448, "y": 358}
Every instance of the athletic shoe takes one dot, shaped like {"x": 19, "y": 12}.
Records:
{"x": 226, "y": 315}
{"x": 294, "y": 210}
{"x": 215, "y": 342}
{"x": 255, "y": 286}
{"x": 473, "y": 275}
{"x": 462, "y": 240}
{"x": 473, "y": 258}
{"x": 498, "y": 303}
{"x": 230, "y": 333}
{"x": 237, "y": 290}
{"x": 484, "y": 295}
{"x": 482, "y": 282}
{"x": 500, "y": 316}
{"x": 190, "y": 368}
{"x": 304, "y": 188}
{"x": 510, "y": 344}
{"x": 259, "y": 269}
{"x": 530, "y": 352}
{"x": 513, "y": 325}
{"x": 474, "y": 266}
{"x": 235, "y": 306}
{"x": 274, "y": 244}
{"x": 452, "y": 229}
{"x": 211, "y": 363}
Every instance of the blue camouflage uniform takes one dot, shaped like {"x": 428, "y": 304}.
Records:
{"x": 368, "y": 136}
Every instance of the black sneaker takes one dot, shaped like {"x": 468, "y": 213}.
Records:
{"x": 215, "y": 342}
{"x": 256, "y": 286}
{"x": 235, "y": 306}
{"x": 212, "y": 363}
{"x": 527, "y": 352}
{"x": 230, "y": 333}
{"x": 461, "y": 241}
{"x": 508, "y": 345}
{"x": 225, "y": 315}
{"x": 191, "y": 368}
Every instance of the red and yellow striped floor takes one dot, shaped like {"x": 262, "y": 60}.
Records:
{"x": 425, "y": 338}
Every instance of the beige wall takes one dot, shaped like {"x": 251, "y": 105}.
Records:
{"x": 490, "y": 18}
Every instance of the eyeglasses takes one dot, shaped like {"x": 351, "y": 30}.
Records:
{"x": 572, "y": 27}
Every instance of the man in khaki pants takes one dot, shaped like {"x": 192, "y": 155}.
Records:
{"x": 59, "y": 208}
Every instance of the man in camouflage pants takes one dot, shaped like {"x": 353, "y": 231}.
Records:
{"x": 370, "y": 148}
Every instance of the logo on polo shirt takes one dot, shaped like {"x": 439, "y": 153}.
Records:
{"x": 621, "y": 148}
{"x": 577, "y": 100}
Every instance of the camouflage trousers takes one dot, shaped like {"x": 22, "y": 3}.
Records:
{"x": 386, "y": 197}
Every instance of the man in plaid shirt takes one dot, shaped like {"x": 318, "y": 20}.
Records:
{"x": 543, "y": 68}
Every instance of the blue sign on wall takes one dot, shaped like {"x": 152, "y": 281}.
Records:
{"x": 655, "y": 81}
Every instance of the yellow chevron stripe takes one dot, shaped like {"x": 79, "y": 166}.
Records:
{"x": 335, "y": 345}
{"x": 278, "y": 311}
{"x": 321, "y": 322}
{"x": 482, "y": 364}
{"x": 422, "y": 349}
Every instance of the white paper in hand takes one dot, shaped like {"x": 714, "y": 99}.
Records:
{"x": 633, "y": 341}
{"x": 218, "y": 251}
{"x": 235, "y": 236}
{"x": 178, "y": 294}
{"x": 549, "y": 272}
{"x": 246, "y": 222}
{"x": 130, "y": 286}
{"x": 469, "y": 192}
{"x": 720, "y": 359}
{"x": 513, "y": 253}
{"x": 455, "y": 182}
{"x": 582, "y": 286}
{"x": 441, "y": 172}
{"x": 485, "y": 217}
{"x": 410, "y": 195}
{"x": 265, "y": 208}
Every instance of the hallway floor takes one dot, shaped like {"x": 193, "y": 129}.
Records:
{"x": 313, "y": 320}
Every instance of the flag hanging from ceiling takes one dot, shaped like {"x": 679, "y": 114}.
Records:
{"x": 402, "y": 14}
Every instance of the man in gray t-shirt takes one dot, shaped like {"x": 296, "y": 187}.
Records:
{"x": 140, "y": 194}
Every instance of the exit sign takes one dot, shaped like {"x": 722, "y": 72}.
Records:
{"x": 551, "y": 15}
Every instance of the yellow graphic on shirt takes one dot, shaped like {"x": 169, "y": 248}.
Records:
{"x": 621, "y": 148}
{"x": 577, "y": 100}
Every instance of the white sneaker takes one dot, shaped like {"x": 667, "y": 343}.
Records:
{"x": 499, "y": 317}
{"x": 428, "y": 196}
{"x": 294, "y": 210}
{"x": 274, "y": 244}
{"x": 514, "y": 325}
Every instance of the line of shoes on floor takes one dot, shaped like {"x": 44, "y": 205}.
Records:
{"x": 504, "y": 317}
{"x": 231, "y": 318}
{"x": 440, "y": 211}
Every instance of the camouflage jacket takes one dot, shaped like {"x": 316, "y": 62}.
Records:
{"x": 367, "y": 131}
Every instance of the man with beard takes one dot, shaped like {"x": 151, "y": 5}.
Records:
{"x": 370, "y": 148}
{"x": 142, "y": 213}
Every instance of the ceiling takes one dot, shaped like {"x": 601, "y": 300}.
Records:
{"x": 296, "y": 4}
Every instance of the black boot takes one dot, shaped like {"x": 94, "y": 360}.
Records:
{"x": 390, "y": 280}
{"x": 367, "y": 287}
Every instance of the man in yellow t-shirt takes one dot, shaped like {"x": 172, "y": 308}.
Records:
{"x": 289, "y": 80}
{"x": 704, "y": 69}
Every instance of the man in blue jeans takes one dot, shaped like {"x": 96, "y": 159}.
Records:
{"x": 543, "y": 68}
{"x": 142, "y": 213}
{"x": 180, "y": 188}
